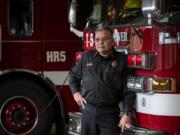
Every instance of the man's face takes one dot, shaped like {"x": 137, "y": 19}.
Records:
{"x": 103, "y": 42}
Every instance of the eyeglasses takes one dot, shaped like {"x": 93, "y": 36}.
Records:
{"x": 104, "y": 39}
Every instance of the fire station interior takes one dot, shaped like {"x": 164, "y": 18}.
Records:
{"x": 40, "y": 41}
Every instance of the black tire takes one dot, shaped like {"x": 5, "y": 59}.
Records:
{"x": 28, "y": 89}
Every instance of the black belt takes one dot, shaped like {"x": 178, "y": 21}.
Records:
{"x": 103, "y": 105}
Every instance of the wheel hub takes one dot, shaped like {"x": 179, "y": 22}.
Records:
{"x": 19, "y": 115}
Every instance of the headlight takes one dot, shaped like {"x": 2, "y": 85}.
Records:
{"x": 139, "y": 83}
{"x": 130, "y": 82}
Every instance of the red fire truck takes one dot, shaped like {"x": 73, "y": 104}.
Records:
{"x": 148, "y": 31}
{"x": 36, "y": 52}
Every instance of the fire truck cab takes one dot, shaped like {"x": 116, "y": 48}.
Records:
{"x": 149, "y": 33}
{"x": 36, "y": 53}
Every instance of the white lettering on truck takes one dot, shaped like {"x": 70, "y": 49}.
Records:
{"x": 55, "y": 56}
{"x": 119, "y": 36}
{"x": 89, "y": 39}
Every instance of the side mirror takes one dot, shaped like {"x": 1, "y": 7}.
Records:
{"x": 72, "y": 19}
{"x": 72, "y": 13}
{"x": 79, "y": 15}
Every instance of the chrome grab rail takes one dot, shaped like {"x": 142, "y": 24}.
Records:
{"x": 141, "y": 131}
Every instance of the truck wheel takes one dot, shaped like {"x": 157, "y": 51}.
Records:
{"x": 22, "y": 112}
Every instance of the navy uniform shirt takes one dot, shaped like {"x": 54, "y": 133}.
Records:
{"x": 102, "y": 80}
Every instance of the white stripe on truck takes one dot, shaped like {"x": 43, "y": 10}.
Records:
{"x": 57, "y": 77}
{"x": 158, "y": 104}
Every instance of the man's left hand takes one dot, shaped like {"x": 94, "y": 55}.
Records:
{"x": 125, "y": 122}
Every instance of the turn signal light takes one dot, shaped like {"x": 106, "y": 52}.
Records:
{"x": 78, "y": 56}
{"x": 163, "y": 85}
{"x": 141, "y": 60}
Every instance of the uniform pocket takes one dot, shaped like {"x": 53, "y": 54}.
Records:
{"x": 88, "y": 71}
{"x": 88, "y": 82}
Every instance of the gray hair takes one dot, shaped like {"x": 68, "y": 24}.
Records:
{"x": 104, "y": 27}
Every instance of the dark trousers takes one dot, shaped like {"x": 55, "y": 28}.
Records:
{"x": 100, "y": 120}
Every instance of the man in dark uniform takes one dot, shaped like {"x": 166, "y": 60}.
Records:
{"x": 98, "y": 84}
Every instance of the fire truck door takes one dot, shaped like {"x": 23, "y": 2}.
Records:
{"x": 21, "y": 29}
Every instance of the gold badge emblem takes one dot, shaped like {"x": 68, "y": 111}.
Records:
{"x": 114, "y": 64}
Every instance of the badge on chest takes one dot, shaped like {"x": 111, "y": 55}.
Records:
{"x": 114, "y": 64}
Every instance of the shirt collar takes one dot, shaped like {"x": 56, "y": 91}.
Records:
{"x": 109, "y": 56}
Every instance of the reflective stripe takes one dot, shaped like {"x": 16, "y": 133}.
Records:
{"x": 57, "y": 77}
{"x": 158, "y": 104}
